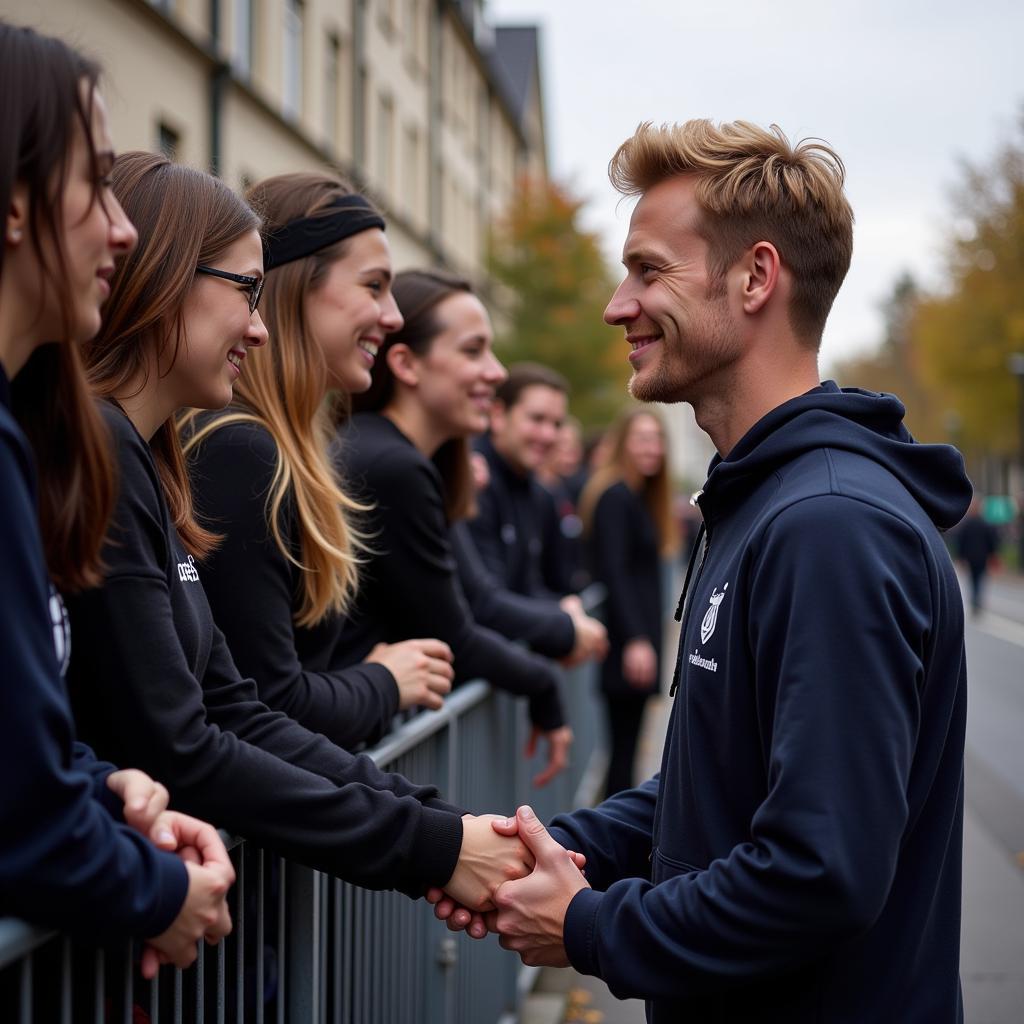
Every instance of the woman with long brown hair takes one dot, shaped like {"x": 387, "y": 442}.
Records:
{"x": 151, "y": 676}
{"x": 626, "y": 509}
{"x": 406, "y": 452}
{"x": 285, "y": 572}
{"x": 65, "y": 860}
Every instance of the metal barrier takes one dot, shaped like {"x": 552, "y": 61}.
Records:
{"x": 307, "y": 947}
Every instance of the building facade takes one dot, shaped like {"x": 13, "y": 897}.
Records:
{"x": 419, "y": 102}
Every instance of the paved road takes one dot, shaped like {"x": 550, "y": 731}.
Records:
{"x": 992, "y": 957}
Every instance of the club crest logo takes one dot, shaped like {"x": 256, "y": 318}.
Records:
{"x": 710, "y": 620}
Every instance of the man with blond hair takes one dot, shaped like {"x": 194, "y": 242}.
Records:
{"x": 798, "y": 856}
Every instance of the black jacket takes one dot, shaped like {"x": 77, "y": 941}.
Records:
{"x": 410, "y": 587}
{"x": 539, "y": 622}
{"x": 798, "y": 858}
{"x": 624, "y": 546}
{"x": 66, "y": 861}
{"x": 154, "y": 685}
{"x": 255, "y": 592}
{"x": 517, "y": 530}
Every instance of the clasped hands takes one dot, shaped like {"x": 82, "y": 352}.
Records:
{"x": 515, "y": 879}
{"x": 204, "y": 914}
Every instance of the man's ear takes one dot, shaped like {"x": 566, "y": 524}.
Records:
{"x": 760, "y": 269}
{"x": 16, "y": 225}
{"x": 403, "y": 363}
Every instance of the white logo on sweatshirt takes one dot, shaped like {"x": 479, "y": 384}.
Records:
{"x": 710, "y": 620}
{"x": 187, "y": 571}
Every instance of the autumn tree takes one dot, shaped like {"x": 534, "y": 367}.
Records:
{"x": 965, "y": 336}
{"x": 556, "y": 284}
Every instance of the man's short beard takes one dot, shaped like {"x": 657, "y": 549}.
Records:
{"x": 656, "y": 387}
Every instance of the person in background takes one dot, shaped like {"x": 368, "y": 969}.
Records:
{"x": 630, "y": 528}
{"x": 75, "y": 833}
{"x": 561, "y": 474}
{"x": 516, "y": 526}
{"x": 405, "y": 452}
{"x": 151, "y": 677}
{"x": 977, "y": 544}
{"x": 285, "y": 569}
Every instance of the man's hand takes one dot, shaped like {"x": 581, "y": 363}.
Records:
{"x": 639, "y": 663}
{"x": 530, "y": 918}
{"x": 485, "y": 861}
{"x": 422, "y": 669}
{"x": 145, "y": 802}
{"x": 204, "y": 912}
{"x": 459, "y": 918}
{"x": 559, "y": 741}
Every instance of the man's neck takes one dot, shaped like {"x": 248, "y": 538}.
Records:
{"x": 726, "y": 410}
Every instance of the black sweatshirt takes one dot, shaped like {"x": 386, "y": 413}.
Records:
{"x": 65, "y": 861}
{"x": 626, "y": 560}
{"x": 539, "y": 622}
{"x": 153, "y": 684}
{"x": 254, "y": 593}
{"x": 517, "y": 530}
{"x": 410, "y": 587}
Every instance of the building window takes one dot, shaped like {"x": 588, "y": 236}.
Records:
{"x": 385, "y": 135}
{"x": 242, "y": 18}
{"x": 294, "y": 30}
{"x": 168, "y": 141}
{"x": 332, "y": 84}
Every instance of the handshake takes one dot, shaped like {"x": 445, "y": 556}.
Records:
{"x": 515, "y": 879}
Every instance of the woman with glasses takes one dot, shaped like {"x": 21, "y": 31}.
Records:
{"x": 285, "y": 571}
{"x": 407, "y": 452}
{"x": 71, "y": 852}
{"x": 151, "y": 677}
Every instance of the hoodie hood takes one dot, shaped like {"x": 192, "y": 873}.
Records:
{"x": 864, "y": 422}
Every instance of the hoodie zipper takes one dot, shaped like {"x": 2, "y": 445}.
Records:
{"x": 683, "y": 607}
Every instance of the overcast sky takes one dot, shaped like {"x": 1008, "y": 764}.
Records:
{"x": 902, "y": 89}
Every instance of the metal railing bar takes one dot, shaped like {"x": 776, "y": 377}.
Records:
{"x": 99, "y": 981}
{"x": 18, "y": 938}
{"x": 426, "y": 723}
{"x": 66, "y": 983}
{"x": 25, "y": 1000}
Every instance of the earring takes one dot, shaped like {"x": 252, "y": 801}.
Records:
{"x": 14, "y": 235}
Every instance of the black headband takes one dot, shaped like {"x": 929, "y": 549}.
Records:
{"x": 348, "y": 216}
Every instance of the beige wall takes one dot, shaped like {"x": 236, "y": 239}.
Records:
{"x": 159, "y": 69}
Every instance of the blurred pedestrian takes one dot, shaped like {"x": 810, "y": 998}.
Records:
{"x": 977, "y": 544}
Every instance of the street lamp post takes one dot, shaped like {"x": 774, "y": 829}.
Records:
{"x": 1015, "y": 365}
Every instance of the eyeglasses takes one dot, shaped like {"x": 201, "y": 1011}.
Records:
{"x": 255, "y": 284}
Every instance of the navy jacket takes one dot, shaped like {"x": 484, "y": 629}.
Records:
{"x": 798, "y": 857}
{"x": 65, "y": 861}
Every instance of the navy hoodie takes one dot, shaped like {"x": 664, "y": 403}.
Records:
{"x": 798, "y": 857}
{"x": 66, "y": 860}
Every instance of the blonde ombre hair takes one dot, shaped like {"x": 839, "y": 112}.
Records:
{"x": 753, "y": 185}
{"x": 656, "y": 491}
{"x": 282, "y": 390}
